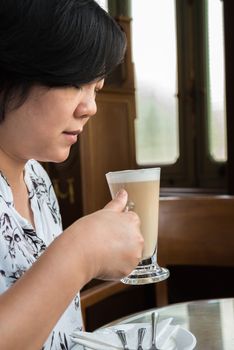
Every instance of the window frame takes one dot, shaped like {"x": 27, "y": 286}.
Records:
{"x": 194, "y": 167}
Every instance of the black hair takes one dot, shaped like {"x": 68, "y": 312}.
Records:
{"x": 54, "y": 43}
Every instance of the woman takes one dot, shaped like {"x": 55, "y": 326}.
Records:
{"x": 54, "y": 56}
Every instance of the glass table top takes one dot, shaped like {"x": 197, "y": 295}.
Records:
{"x": 211, "y": 321}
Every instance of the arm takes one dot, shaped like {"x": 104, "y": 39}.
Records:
{"x": 105, "y": 244}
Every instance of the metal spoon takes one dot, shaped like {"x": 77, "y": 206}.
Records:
{"x": 122, "y": 337}
{"x": 141, "y": 334}
{"x": 154, "y": 320}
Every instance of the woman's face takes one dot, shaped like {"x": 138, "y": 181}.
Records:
{"x": 48, "y": 123}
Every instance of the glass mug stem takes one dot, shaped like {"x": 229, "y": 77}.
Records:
{"x": 147, "y": 271}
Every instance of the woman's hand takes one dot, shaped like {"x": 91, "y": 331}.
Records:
{"x": 111, "y": 240}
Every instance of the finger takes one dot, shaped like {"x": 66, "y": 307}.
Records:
{"x": 134, "y": 217}
{"x": 119, "y": 202}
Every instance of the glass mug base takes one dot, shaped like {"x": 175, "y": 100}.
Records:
{"x": 147, "y": 272}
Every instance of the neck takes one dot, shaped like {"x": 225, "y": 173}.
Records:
{"x": 12, "y": 168}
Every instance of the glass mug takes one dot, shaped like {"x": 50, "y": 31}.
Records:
{"x": 142, "y": 186}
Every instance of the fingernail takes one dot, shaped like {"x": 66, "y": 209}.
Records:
{"x": 121, "y": 193}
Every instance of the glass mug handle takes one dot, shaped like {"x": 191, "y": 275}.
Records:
{"x": 130, "y": 206}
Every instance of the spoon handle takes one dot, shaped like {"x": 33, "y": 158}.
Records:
{"x": 141, "y": 334}
{"x": 154, "y": 319}
{"x": 122, "y": 337}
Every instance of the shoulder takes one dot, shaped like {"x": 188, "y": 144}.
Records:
{"x": 5, "y": 192}
{"x": 35, "y": 169}
{"x": 38, "y": 180}
{"x": 41, "y": 188}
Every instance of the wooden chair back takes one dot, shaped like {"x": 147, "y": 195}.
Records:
{"x": 107, "y": 301}
{"x": 98, "y": 293}
{"x": 195, "y": 231}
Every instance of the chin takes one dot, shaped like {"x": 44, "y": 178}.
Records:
{"x": 58, "y": 158}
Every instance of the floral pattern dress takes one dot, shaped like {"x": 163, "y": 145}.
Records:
{"x": 21, "y": 244}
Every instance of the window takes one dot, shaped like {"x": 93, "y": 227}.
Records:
{"x": 103, "y": 3}
{"x": 216, "y": 120}
{"x": 155, "y": 59}
{"x": 178, "y": 52}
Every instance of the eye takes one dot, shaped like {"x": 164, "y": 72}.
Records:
{"x": 76, "y": 86}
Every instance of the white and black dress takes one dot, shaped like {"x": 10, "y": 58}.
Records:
{"x": 21, "y": 244}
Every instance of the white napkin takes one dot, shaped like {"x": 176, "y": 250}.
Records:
{"x": 107, "y": 339}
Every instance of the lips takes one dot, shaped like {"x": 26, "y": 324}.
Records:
{"x": 71, "y": 136}
{"x": 75, "y": 132}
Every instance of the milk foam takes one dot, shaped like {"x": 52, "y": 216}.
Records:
{"x": 138, "y": 175}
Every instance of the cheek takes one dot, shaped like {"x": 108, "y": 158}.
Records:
{"x": 49, "y": 121}
{"x": 48, "y": 116}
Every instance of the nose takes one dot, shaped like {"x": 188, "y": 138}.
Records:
{"x": 86, "y": 108}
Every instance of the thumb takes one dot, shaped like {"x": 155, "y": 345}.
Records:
{"x": 119, "y": 202}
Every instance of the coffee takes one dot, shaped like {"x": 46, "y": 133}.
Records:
{"x": 143, "y": 198}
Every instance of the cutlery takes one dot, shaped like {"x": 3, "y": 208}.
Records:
{"x": 92, "y": 342}
{"x": 154, "y": 320}
{"x": 122, "y": 337}
{"x": 141, "y": 334}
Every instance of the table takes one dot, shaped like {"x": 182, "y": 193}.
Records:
{"x": 211, "y": 321}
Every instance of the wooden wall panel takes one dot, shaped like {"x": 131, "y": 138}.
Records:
{"x": 107, "y": 144}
